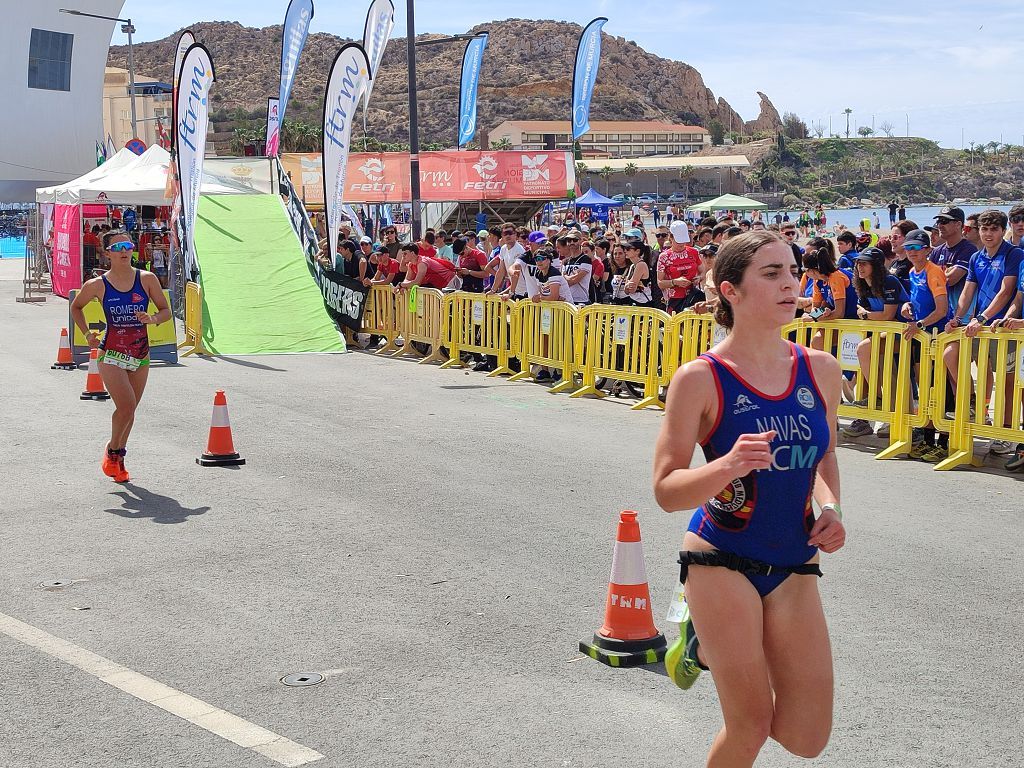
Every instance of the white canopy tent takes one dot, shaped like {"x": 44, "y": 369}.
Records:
{"x": 68, "y": 192}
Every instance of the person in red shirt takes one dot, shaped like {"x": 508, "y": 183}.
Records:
{"x": 388, "y": 269}
{"x": 679, "y": 270}
{"x": 427, "y": 244}
{"x": 424, "y": 270}
{"x": 472, "y": 265}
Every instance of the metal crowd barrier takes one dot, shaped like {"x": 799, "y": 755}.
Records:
{"x": 547, "y": 337}
{"x": 380, "y": 316}
{"x": 193, "y": 320}
{"x": 1006, "y": 348}
{"x": 623, "y": 343}
{"x": 482, "y": 324}
{"x": 419, "y": 312}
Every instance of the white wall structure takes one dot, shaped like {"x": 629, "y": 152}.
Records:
{"x": 51, "y": 92}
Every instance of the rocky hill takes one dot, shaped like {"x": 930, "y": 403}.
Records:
{"x": 527, "y": 74}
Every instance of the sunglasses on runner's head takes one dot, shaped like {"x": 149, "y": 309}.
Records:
{"x": 914, "y": 247}
{"x": 789, "y": 232}
{"x": 121, "y": 246}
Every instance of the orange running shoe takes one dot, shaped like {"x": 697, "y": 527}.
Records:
{"x": 111, "y": 462}
{"x": 122, "y": 474}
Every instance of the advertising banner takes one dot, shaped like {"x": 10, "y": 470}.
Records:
{"x": 185, "y": 42}
{"x": 588, "y": 58}
{"x": 471, "y": 61}
{"x": 191, "y": 118}
{"x": 344, "y": 298}
{"x": 273, "y": 127}
{"x": 380, "y": 18}
{"x": 293, "y": 39}
{"x": 67, "y": 250}
{"x": 346, "y": 84}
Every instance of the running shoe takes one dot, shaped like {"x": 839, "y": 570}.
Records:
{"x": 121, "y": 476}
{"x": 1016, "y": 463}
{"x": 936, "y": 454}
{"x": 110, "y": 463}
{"x": 1001, "y": 448}
{"x": 858, "y": 428}
{"x": 862, "y": 403}
{"x": 883, "y": 431}
{"x": 681, "y": 662}
{"x": 919, "y": 449}
{"x": 542, "y": 375}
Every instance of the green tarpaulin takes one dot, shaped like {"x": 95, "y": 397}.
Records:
{"x": 258, "y": 296}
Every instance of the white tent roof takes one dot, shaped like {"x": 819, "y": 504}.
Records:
{"x": 140, "y": 181}
{"x": 67, "y": 193}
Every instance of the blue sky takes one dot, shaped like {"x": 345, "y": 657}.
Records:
{"x": 944, "y": 66}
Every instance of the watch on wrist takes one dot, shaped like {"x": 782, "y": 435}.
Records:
{"x": 981, "y": 319}
{"x": 920, "y": 325}
{"x": 835, "y": 508}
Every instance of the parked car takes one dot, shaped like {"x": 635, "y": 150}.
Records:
{"x": 647, "y": 200}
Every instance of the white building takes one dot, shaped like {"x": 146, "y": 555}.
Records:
{"x": 153, "y": 99}
{"x": 52, "y": 92}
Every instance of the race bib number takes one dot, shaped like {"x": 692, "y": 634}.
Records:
{"x": 121, "y": 360}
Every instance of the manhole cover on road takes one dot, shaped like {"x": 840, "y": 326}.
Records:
{"x": 56, "y": 584}
{"x": 301, "y": 679}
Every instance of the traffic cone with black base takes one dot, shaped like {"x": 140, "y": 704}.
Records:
{"x": 94, "y": 389}
{"x": 65, "y": 362}
{"x": 628, "y": 637}
{"x": 220, "y": 449}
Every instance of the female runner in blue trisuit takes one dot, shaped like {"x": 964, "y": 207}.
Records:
{"x": 764, "y": 412}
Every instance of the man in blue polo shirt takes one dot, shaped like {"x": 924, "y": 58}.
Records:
{"x": 953, "y": 253}
{"x": 992, "y": 278}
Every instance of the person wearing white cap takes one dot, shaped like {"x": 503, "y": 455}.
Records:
{"x": 366, "y": 246}
{"x": 679, "y": 270}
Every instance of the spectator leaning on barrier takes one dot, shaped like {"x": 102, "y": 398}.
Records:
{"x": 577, "y": 269}
{"x": 350, "y": 261}
{"x": 953, "y": 254}
{"x": 637, "y": 288}
{"x": 1013, "y": 321}
{"x": 388, "y": 269}
{"x": 926, "y": 310}
{"x": 993, "y": 274}
{"x": 424, "y": 270}
{"x": 472, "y": 265}
{"x": 833, "y": 296}
{"x": 551, "y": 282}
{"x": 678, "y": 270}
{"x": 503, "y": 265}
{"x": 618, "y": 265}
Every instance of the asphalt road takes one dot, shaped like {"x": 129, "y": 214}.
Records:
{"x": 436, "y": 544}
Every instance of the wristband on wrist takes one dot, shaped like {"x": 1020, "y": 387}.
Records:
{"x": 981, "y": 319}
{"x": 835, "y": 508}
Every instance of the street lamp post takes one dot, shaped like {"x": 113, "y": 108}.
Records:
{"x": 416, "y": 223}
{"x": 126, "y": 26}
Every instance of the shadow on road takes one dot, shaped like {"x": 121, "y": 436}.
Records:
{"x": 138, "y": 503}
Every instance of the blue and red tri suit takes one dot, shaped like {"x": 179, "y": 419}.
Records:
{"x": 766, "y": 515}
{"x": 125, "y": 335}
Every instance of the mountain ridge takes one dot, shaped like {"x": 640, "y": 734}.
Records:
{"x": 526, "y": 74}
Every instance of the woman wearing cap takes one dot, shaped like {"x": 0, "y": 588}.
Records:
{"x": 763, "y": 409}
{"x": 678, "y": 270}
{"x": 879, "y": 296}
{"x": 125, "y": 293}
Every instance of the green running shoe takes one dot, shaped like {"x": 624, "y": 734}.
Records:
{"x": 681, "y": 657}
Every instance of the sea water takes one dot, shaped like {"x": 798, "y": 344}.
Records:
{"x": 923, "y": 216}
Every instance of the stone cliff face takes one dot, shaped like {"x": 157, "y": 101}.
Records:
{"x": 527, "y": 74}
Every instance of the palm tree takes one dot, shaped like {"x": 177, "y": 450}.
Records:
{"x": 685, "y": 174}
{"x": 581, "y": 171}
{"x": 606, "y": 173}
{"x": 848, "y": 112}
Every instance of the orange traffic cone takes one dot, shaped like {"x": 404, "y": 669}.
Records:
{"x": 628, "y": 637}
{"x": 94, "y": 389}
{"x": 220, "y": 450}
{"x": 64, "y": 360}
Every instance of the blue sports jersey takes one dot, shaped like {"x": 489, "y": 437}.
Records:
{"x": 988, "y": 273}
{"x": 921, "y": 296}
{"x": 851, "y": 295}
{"x": 766, "y": 515}
{"x": 893, "y": 292}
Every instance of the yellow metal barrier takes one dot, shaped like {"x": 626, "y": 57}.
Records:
{"x": 380, "y": 316}
{"x": 193, "y": 321}
{"x": 621, "y": 343}
{"x": 1006, "y": 348}
{"x": 547, "y": 337}
{"x": 687, "y": 337}
{"x": 419, "y": 320}
{"x": 486, "y": 325}
{"x": 886, "y": 386}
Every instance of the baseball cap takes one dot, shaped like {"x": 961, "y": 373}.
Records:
{"x": 951, "y": 213}
{"x": 869, "y": 254}
{"x": 365, "y": 239}
{"x": 554, "y": 228}
{"x": 570, "y": 235}
{"x": 918, "y": 237}
{"x": 635, "y": 233}
{"x": 679, "y": 232}
{"x": 482, "y": 233}
{"x": 538, "y": 237}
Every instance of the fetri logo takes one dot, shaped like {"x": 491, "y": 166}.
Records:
{"x": 533, "y": 169}
{"x": 486, "y": 167}
{"x": 373, "y": 169}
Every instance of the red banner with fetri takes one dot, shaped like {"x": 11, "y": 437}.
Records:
{"x": 446, "y": 176}
{"x": 67, "y": 250}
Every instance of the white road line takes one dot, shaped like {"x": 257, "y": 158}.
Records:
{"x": 213, "y": 719}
